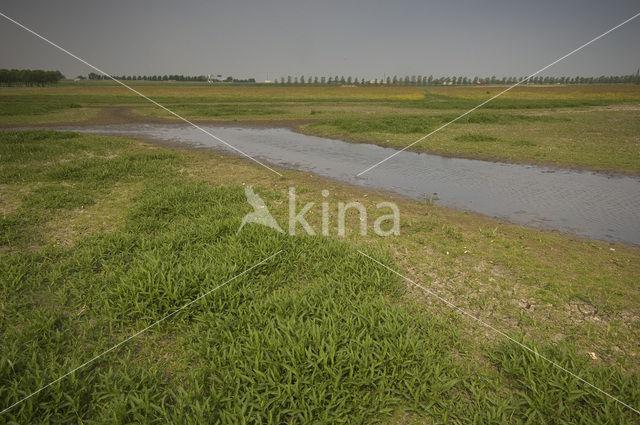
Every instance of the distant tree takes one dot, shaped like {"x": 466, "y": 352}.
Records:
{"x": 29, "y": 77}
{"x": 302, "y": 79}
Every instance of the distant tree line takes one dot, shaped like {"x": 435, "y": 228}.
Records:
{"x": 172, "y": 77}
{"x": 94, "y": 76}
{"x": 407, "y": 80}
{"x": 420, "y": 80}
{"x": 29, "y": 77}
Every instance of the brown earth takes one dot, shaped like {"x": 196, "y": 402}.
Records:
{"x": 120, "y": 114}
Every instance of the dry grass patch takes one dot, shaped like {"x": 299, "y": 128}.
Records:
{"x": 105, "y": 215}
{"x": 11, "y": 196}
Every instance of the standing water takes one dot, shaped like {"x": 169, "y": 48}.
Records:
{"x": 587, "y": 204}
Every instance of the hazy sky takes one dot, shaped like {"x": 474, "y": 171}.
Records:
{"x": 361, "y": 38}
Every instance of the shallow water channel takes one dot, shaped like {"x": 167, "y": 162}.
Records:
{"x": 588, "y": 204}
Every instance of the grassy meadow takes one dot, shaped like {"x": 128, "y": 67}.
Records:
{"x": 592, "y": 127}
{"x": 101, "y": 236}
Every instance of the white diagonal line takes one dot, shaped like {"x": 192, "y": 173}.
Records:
{"x": 138, "y": 333}
{"x": 501, "y": 93}
{"x": 138, "y": 93}
{"x": 498, "y": 331}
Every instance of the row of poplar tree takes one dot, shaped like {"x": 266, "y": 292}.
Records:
{"x": 419, "y": 80}
{"x": 38, "y": 77}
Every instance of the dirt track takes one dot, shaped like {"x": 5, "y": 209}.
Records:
{"x": 119, "y": 114}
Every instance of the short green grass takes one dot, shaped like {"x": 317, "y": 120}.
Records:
{"x": 227, "y": 110}
{"x": 11, "y": 105}
{"x": 319, "y": 334}
{"x": 407, "y": 124}
{"x": 433, "y": 100}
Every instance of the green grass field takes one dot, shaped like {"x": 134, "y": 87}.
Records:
{"x": 102, "y": 236}
{"x": 593, "y": 127}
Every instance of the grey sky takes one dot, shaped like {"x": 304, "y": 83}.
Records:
{"x": 297, "y": 37}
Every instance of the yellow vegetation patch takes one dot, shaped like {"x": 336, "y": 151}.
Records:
{"x": 606, "y": 92}
{"x": 234, "y": 92}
